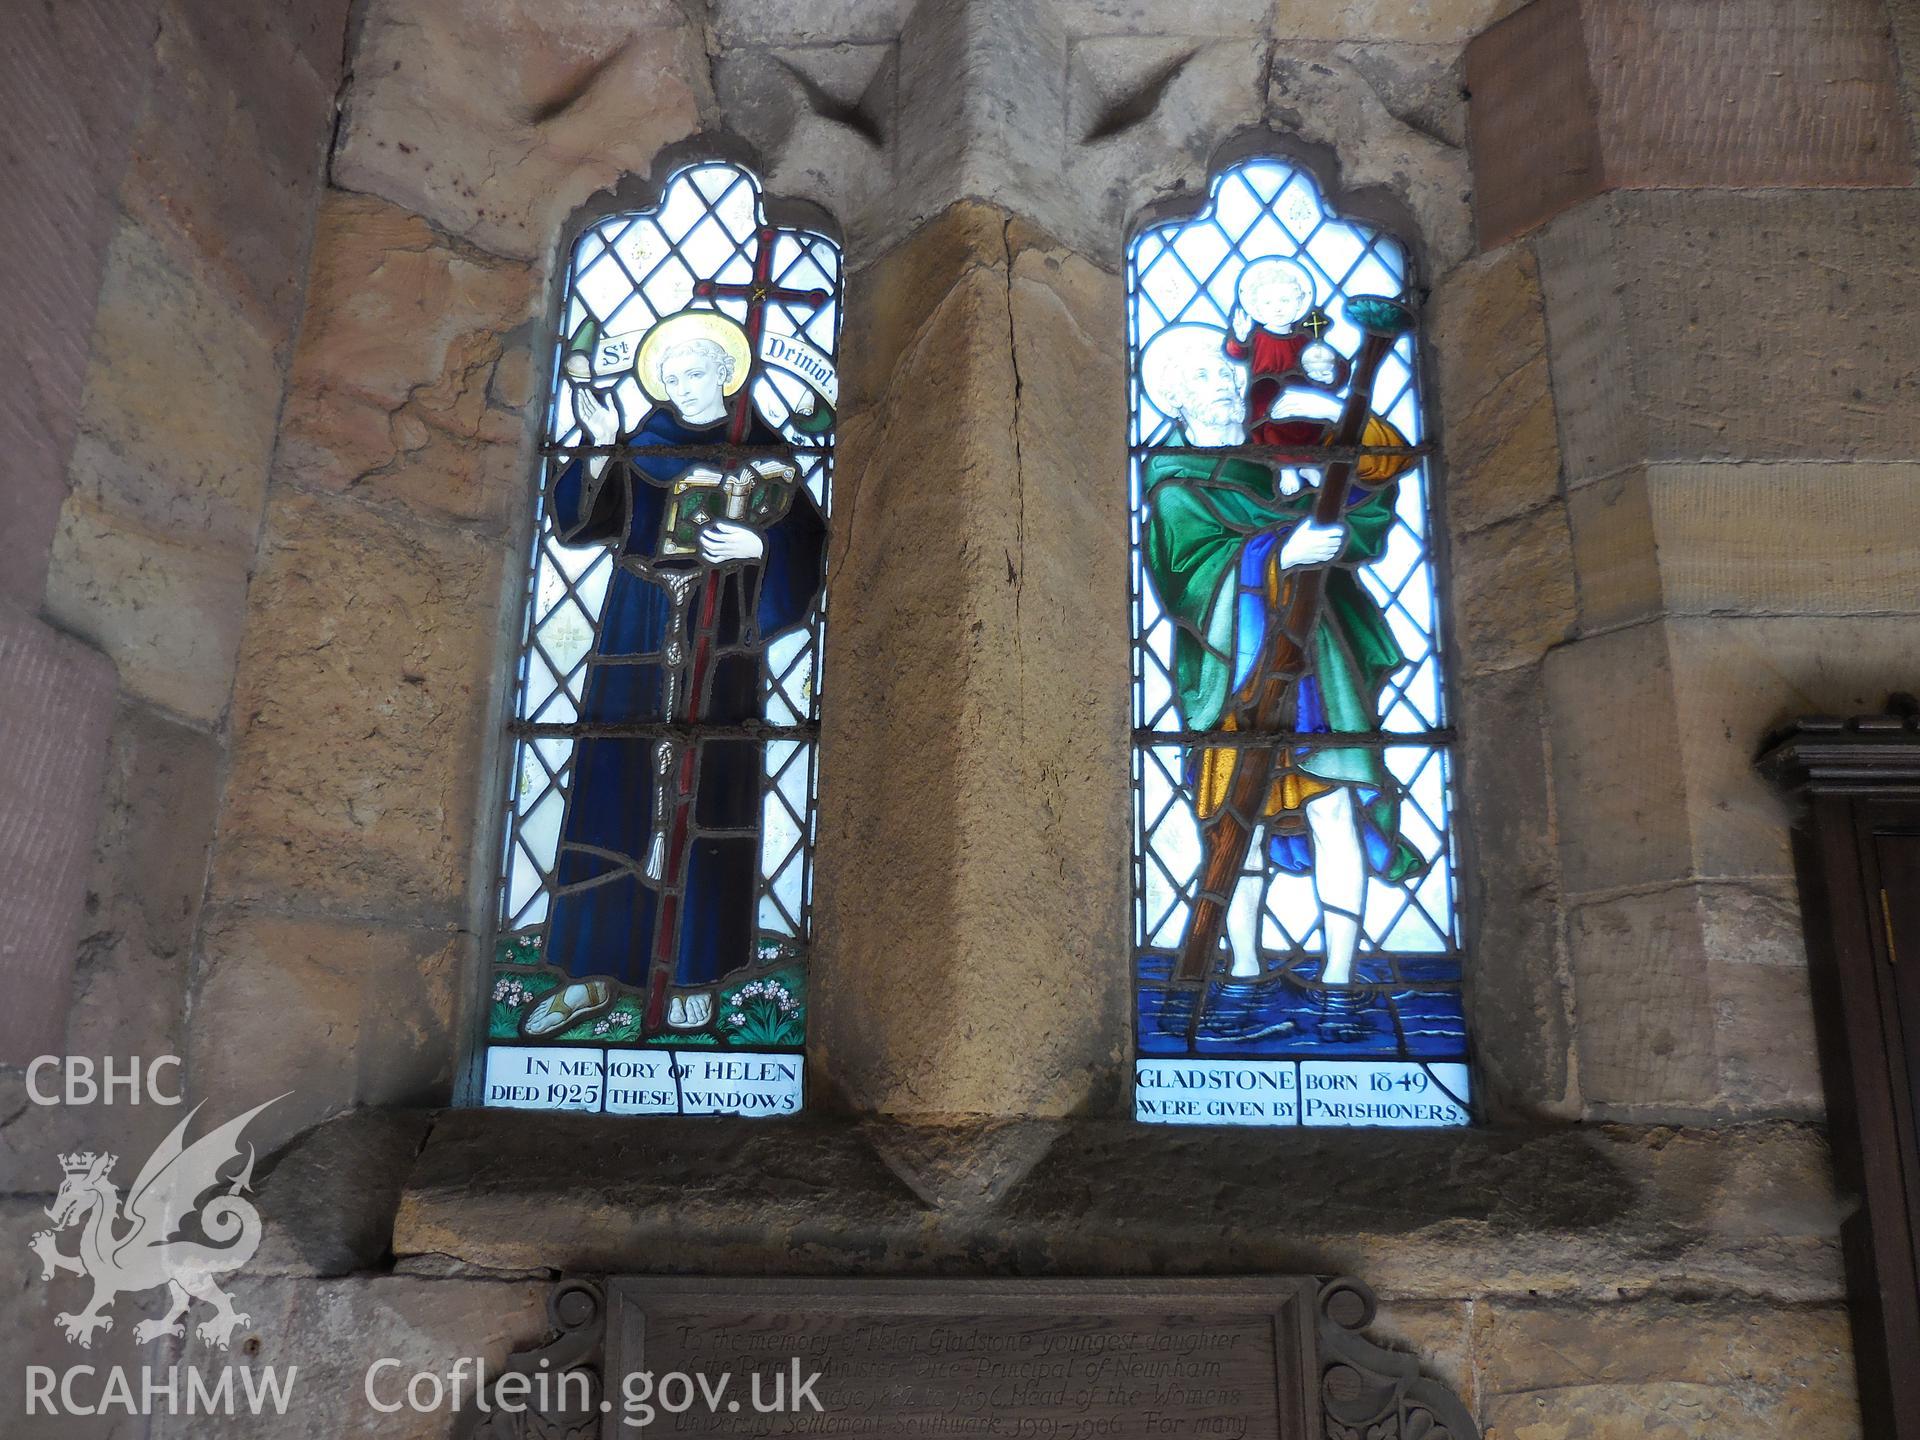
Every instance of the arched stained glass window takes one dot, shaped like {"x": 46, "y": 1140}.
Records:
{"x": 1297, "y": 941}
{"x": 651, "y": 945}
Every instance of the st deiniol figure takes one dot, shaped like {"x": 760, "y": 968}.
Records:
{"x": 673, "y": 522}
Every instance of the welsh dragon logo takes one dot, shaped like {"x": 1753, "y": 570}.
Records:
{"x": 139, "y": 1246}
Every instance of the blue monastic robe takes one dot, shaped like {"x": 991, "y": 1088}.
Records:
{"x": 606, "y": 928}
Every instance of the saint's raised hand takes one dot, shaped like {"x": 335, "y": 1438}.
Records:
{"x": 599, "y": 415}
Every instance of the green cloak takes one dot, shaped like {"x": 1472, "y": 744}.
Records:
{"x": 1202, "y": 511}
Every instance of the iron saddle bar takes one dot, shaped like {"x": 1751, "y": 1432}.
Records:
{"x": 1285, "y": 452}
{"x": 715, "y": 451}
{"x": 1320, "y": 739}
{"x": 663, "y": 730}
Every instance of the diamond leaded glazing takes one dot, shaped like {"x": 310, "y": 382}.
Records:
{"x": 655, "y": 882}
{"x": 1297, "y": 945}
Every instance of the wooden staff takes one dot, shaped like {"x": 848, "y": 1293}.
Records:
{"x": 1285, "y": 660}
{"x": 685, "y": 767}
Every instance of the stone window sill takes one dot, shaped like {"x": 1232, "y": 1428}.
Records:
{"x": 1591, "y": 1210}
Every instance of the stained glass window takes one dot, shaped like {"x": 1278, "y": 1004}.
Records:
{"x": 1297, "y": 950}
{"x": 651, "y": 945}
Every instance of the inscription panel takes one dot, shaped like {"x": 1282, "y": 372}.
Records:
{"x": 1006, "y": 1360}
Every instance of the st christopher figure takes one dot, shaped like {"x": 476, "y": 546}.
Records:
{"x": 1228, "y": 542}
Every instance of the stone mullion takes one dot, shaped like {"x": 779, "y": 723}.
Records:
{"x": 967, "y": 965}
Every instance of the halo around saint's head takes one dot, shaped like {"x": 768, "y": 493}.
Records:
{"x": 1262, "y": 276}
{"x": 1171, "y": 357}
{"x": 686, "y": 328}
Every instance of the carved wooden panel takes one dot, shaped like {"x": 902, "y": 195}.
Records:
{"x": 1265, "y": 1358}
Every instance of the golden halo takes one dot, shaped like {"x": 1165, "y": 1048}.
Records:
{"x": 678, "y": 330}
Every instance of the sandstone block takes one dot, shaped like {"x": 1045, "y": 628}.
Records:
{"x": 1616, "y": 551}
{"x": 1654, "y": 730}
{"x": 1584, "y": 280}
{"x": 1807, "y": 539}
{"x": 1513, "y": 592}
{"x": 1437, "y": 22}
{"x": 182, "y": 398}
{"x": 57, "y": 707}
{"x": 1575, "y": 97}
{"x": 315, "y": 30}
{"x": 337, "y": 1012}
{"x": 806, "y": 22}
{"x": 410, "y": 382}
{"x": 333, "y": 1191}
{"x": 1643, "y": 1004}
{"x": 1578, "y": 1213}
{"x": 1720, "y": 325}
{"x": 1693, "y": 998}
{"x": 1905, "y": 18}
{"x": 137, "y": 918}
{"x": 229, "y": 152}
{"x": 1198, "y": 17}
{"x": 169, "y": 614}
{"x": 821, "y": 117}
{"x": 1320, "y": 94}
{"x": 1516, "y": 977}
{"x": 1144, "y": 111}
{"x": 497, "y": 122}
{"x": 896, "y": 656}
{"x": 986, "y": 84}
{"x": 1487, "y": 336}
{"x": 1736, "y": 682}
{"x": 28, "y": 1335}
{"x": 1753, "y": 922}
{"x": 333, "y": 1330}
{"x": 1764, "y": 1031}
{"x": 1658, "y": 1368}
{"x": 1619, "y": 777}
{"x": 362, "y": 710}
{"x": 72, "y": 77}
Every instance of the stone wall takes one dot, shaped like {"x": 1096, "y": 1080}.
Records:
{"x": 61, "y": 173}
{"x": 1673, "y": 403}
{"x": 1733, "y": 378}
{"x": 165, "y": 163}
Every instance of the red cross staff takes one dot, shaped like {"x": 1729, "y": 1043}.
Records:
{"x": 666, "y": 935}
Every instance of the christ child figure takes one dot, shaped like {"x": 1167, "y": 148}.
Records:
{"x": 1276, "y": 330}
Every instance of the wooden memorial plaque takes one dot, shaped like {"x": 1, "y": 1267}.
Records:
{"x": 1242, "y": 1359}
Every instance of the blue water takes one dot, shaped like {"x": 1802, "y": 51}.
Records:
{"x": 1274, "y": 1018}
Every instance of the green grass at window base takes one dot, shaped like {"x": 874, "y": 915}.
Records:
{"x": 768, "y": 1009}
{"x": 767, "y": 1006}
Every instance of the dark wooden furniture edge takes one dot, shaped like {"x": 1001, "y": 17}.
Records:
{"x": 1851, "y": 781}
